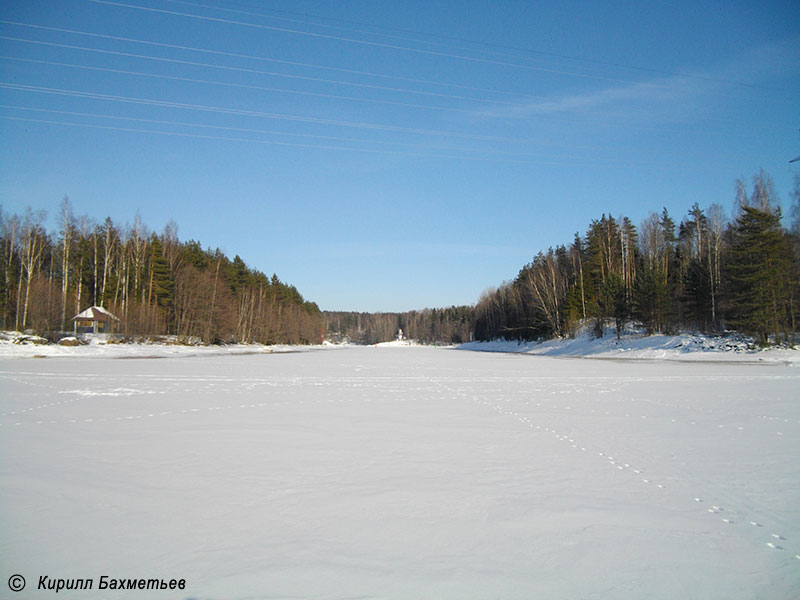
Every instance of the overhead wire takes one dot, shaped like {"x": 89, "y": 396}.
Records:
{"x": 274, "y": 60}
{"x": 213, "y": 137}
{"x": 243, "y": 112}
{"x": 364, "y": 42}
{"x": 259, "y": 88}
{"x": 237, "y": 129}
{"x": 236, "y": 85}
{"x": 532, "y": 51}
{"x": 277, "y": 116}
{"x": 447, "y": 44}
{"x": 223, "y": 110}
{"x": 500, "y": 159}
{"x": 251, "y": 71}
{"x": 472, "y": 149}
{"x": 469, "y": 111}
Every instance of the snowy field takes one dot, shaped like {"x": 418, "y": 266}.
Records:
{"x": 402, "y": 473}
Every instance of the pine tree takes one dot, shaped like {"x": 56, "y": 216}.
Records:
{"x": 760, "y": 274}
{"x": 161, "y": 284}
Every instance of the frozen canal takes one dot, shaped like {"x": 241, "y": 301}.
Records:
{"x": 402, "y": 473}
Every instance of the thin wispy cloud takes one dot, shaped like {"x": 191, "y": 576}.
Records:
{"x": 674, "y": 94}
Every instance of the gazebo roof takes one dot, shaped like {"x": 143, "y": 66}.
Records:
{"x": 95, "y": 313}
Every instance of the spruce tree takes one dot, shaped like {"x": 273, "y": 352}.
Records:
{"x": 760, "y": 274}
{"x": 161, "y": 285}
{"x": 650, "y": 298}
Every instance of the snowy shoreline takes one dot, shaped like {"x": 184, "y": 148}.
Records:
{"x": 684, "y": 347}
{"x": 632, "y": 345}
{"x": 14, "y": 345}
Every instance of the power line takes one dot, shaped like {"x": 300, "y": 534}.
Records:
{"x": 270, "y": 59}
{"x": 307, "y": 146}
{"x": 259, "y": 114}
{"x": 468, "y": 41}
{"x": 241, "y": 112}
{"x": 253, "y": 71}
{"x": 264, "y": 88}
{"x": 289, "y": 134}
{"x": 202, "y": 136}
{"x": 245, "y": 129}
{"x": 364, "y": 42}
{"x": 235, "y": 85}
{"x": 317, "y": 24}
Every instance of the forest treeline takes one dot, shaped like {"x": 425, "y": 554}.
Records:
{"x": 155, "y": 284}
{"x": 451, "y": 325}
{"x": 705, "y": 273}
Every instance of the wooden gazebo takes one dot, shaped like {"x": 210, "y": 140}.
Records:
{"x": 94, "y": 319}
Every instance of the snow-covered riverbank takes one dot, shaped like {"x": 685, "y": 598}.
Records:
{"x": 16, "y": 345}
{"x": 634, "y": 345}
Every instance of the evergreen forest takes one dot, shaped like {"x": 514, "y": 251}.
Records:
{"x": 701, "y": 272}
{"x": 704, "y": 273}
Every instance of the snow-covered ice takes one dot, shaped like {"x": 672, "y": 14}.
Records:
{"x": 402, "y": 472}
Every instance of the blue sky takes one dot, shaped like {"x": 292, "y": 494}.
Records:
{"x": 387, "y": 156}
